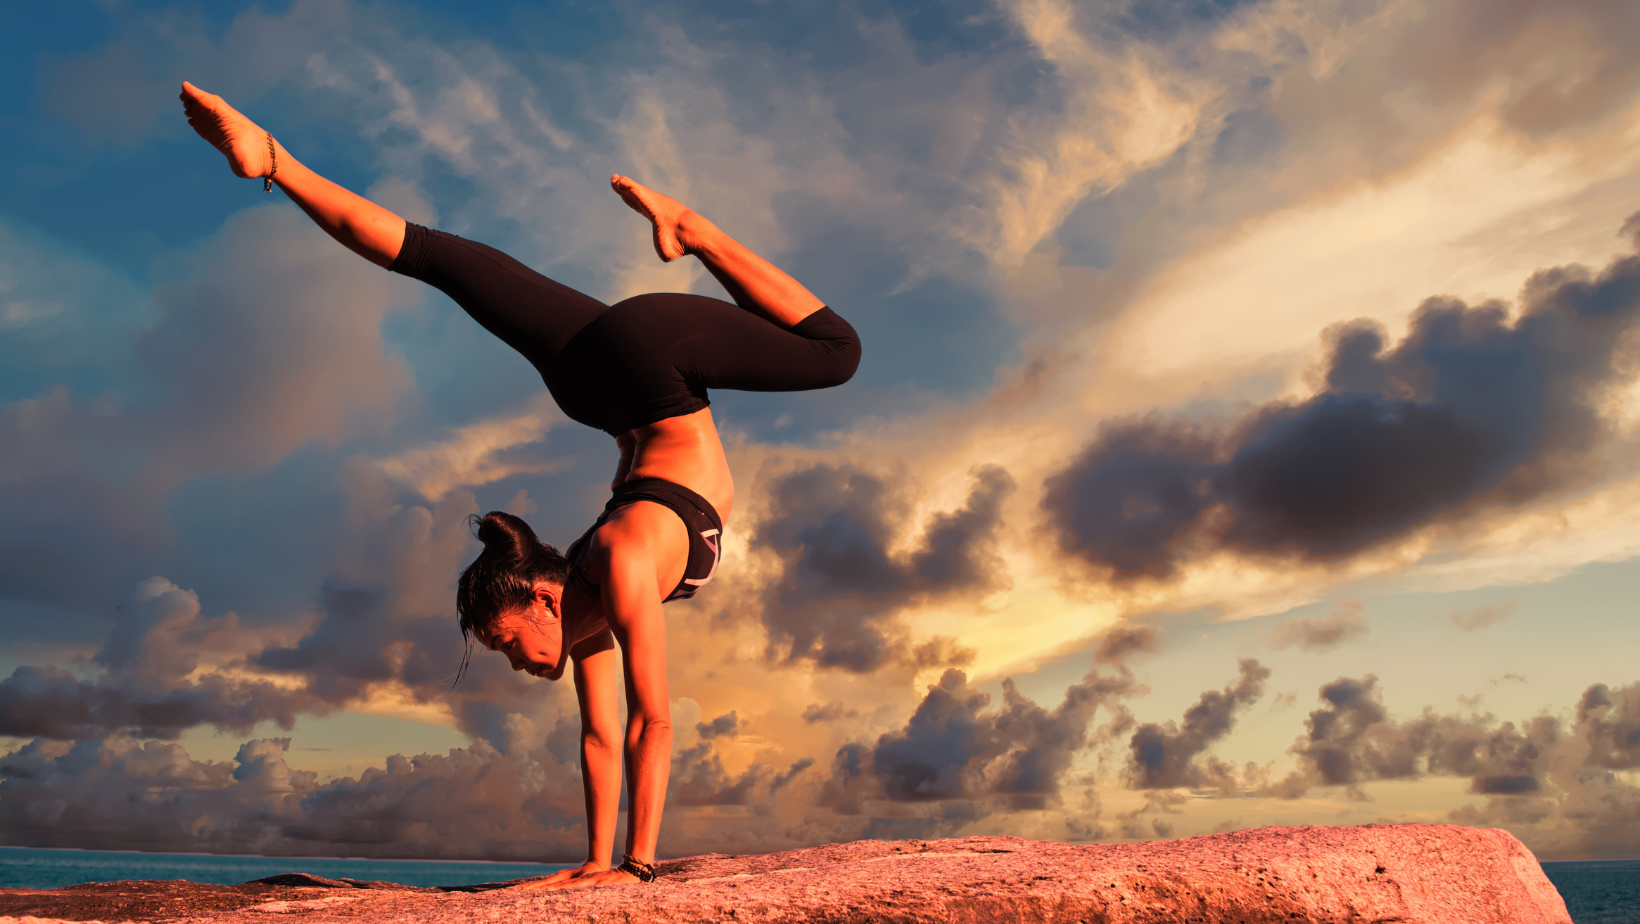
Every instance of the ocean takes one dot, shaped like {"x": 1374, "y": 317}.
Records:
{"x": 1596, "y": 891}
{"x": 29, "y": 868}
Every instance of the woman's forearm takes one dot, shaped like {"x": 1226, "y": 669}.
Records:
{"x": 601, "y": 784}
{"x": 648, "y": 765}
{"x": 597, "y": 672}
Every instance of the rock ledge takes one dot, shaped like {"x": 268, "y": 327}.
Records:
{"x": 1432, "y": 874}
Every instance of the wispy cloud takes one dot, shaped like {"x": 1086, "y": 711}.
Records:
{"x": 1324, "y": 633}
{"x": 479, "y": 453}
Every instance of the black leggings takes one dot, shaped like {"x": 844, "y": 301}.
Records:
{"x": 644, "y": 359}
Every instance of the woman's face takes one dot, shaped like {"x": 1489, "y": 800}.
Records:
{"x": 531, "y": 638}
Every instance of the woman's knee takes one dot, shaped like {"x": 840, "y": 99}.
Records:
{"x": 843, "y": 357}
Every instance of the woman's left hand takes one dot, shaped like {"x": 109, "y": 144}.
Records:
{"x": 583, "y": 880}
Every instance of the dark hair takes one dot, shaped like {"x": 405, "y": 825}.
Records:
{"x": 504, "y": 575}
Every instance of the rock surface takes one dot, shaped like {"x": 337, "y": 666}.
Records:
{"x": 1374, "y": 873}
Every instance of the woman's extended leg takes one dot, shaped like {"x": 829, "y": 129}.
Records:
{"x": 531, "y": 313}
{"x": 753, "y": 282}
{"x": 364, "y": 227}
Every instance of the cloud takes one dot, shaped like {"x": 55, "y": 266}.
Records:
{"x": 1353, "y": 741}
{"x": 698, "y": 778}
{"x": 1472, "y": 408}
{"x": 833, "y": 528}
{"x": 275, "y": 341}
{"x": 155, "y": 683}
{"x": 1119, "y": 114}
{"x": 1344, "y": 623}
{"x": 790, "y": 773}
{"x": 119, "y": 91}
{"x": 129, "y": 795}
{"x": 1123, "y": 641}
{"x": 954, "y": 749}
{"x": 268, "y": 342}
{"x": 1553, "y": 782}
{"x": 479, "y": 453}
{"x": 52, "y": 703}
{"x": 830, "y": 712}
{"x": 1165, "y": 756}
{"x": 725, "y": 726}
{"x": 1480, "y": 617}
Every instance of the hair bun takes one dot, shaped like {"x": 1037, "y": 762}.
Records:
{"x": 506, "y": 536}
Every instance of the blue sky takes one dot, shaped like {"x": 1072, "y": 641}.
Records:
{"x": 1150, "y": 359}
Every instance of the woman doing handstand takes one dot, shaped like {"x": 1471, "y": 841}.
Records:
{"x": 638, "y": 370}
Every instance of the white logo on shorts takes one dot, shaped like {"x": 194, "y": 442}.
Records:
{"x": 711, "y": 542}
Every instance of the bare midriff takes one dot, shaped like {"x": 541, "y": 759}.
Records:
{"x": 683, "y": 450}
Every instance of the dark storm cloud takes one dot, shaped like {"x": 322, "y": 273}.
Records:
{"x": 1170, "y": 755}
{"x": 954, "y": 747}
{"x": 1345, "y": 622}
{"x": 698, "y": 778}
{"x": 1123, "y": 641}
{"x": 1471, "y": 408}
{"x": 360, "y": 640}
{"x": 790, "y": 773}
{"x": 726, "y": 725}
{"x": 839, "y": 586}
{"x": 1353, "y": 740}
{"x": 50, "y": 703}
{"x": 1610, "y": 722}
{"x": 156, "y": 645}
{"x": 167, "y": 666}
{"x": 272, "y": 343}
{"x": 121, "y": 794}
{"x": 830, "y": 712}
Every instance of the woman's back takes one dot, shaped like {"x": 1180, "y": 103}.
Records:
{"x": 685, "y": 450}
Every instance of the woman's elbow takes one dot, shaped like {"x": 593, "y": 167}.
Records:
{"x": 650, "y": 726}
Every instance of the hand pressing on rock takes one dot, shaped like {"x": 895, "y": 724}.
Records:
{"x": 584, "y": 876}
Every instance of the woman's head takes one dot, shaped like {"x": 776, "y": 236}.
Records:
{"x": 514, "y": 583}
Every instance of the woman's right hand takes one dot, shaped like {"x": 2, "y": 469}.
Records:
{"x": 565, "y": 876}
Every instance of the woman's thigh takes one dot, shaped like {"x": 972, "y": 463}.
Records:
{"x": 704, "y": 343}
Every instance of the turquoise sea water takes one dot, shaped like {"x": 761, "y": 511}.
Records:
{"x": 24, "y": 867}
{"x": 1596, "y": 891}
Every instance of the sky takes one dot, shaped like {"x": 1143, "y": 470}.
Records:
{"x": 1245, "y": 433}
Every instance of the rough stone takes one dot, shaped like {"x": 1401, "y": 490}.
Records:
{"x": 1430, "y": 874}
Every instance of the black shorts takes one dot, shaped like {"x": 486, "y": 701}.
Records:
{"x": 646, "y": 358}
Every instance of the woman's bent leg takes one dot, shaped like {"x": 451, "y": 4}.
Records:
{"x": 672, "y": 348}
{"x": 753, "y": 282}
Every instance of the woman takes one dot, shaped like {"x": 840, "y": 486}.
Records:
{"x": 638, "y": 370}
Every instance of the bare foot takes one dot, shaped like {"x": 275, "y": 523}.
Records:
{"x": 679, "y": 230}
{"x": 243, "y": 141}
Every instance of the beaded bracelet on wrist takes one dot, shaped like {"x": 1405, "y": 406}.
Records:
{"x": 644, "y": 871}
{"x": 273, "y": 158}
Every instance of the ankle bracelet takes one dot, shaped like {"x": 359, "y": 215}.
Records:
{"x": 273, "y": 158}
{"x": 644, "y": 871}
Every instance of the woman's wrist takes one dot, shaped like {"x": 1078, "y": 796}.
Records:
{"x": 645, "y": 872}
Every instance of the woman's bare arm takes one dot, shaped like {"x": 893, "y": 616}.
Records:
{"x": 640, "y": 550}
{"x": 362, "y": 226}
{"x": 632, "y": 604}
{"x": 597, "y": 677}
